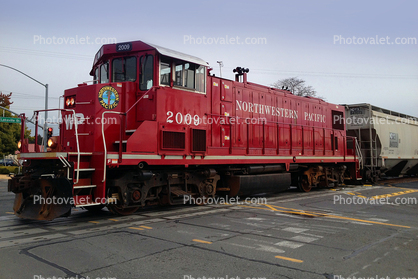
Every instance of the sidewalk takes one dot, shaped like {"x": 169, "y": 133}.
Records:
{"x": 4, "y": 176}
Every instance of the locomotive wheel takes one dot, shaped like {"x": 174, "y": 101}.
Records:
{"x": 303, "y": 184}
{"x": 122, "y": 211}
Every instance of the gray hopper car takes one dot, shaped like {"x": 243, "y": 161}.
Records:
{"x": 388, "y": 140}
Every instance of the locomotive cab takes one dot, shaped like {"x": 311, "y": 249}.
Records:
{"x": 157, "y": 67}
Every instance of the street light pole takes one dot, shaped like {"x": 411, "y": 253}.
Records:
{"x": 46, "y": 101}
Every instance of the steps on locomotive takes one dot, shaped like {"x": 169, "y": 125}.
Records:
{"x": 84, "y": 190}
{"x": 124, "y": 142}
{"x": 177, "y": 195}
{"x": 84, "y": 183}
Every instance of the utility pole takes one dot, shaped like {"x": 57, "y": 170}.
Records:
{"x": 46, "y": 101}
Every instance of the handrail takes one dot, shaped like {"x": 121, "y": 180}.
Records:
{"x": 76, "y": 136}
{"x": 359, "y": 154}
{"x": 66, "y": 164}
{"x": 122, "y": 122}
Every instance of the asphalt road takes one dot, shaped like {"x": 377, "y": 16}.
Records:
{"x": 321, "y": 234}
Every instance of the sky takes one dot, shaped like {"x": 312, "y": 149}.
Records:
{"x": 348, "y": 51}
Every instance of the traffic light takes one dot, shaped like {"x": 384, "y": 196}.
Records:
{"x": 49, "y": 132}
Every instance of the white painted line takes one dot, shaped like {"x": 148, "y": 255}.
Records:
{"x": 289, "y": 244}
{"x": 20, "y": 227}
{"x": 116, "y": 226}
{"x": 17, "y": 233}
{"x": 378, "y": 220}
{"x": 196, "y": 214}
{"x": 29, "y": 240}
{"x": 302, "y": 238}
{"x": 269, "y": 249}
{"x": 295, "y": 230}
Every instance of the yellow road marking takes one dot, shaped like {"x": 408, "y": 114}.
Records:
{"x": 139, "y": 229}
{"x": 316, "y": 214}
{"x": 271, "y": 207}
{"x": 114, "y": 220}
{"x": 145, "y": 227}
{"x": 393, "y": 194}
{"x": 9, "y": 213}
{"x": 289, "y": 259}
{"x": 202, "y": 241}
{"x": 365, "y": 221}
{"x": 94, "y": 222}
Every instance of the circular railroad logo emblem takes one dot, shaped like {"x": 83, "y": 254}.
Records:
{"x": 108, "y": 97}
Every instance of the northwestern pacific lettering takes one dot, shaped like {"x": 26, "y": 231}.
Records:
{"x": 264, "y": 109}
{"x": 276, "y": 111}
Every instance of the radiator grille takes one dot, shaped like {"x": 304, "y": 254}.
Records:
{"x": 199, "y": 140}
{"x": 173, "y": 140}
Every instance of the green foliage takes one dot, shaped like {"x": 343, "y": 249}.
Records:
{"x": 7, "y": 170}
{"x": 9, "y": 132}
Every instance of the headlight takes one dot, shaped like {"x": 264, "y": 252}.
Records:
{"x": 51, "y": 143}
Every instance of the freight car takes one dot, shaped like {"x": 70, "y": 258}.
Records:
{"x": 388, "y": 140}
{"x": 155, "y": 126}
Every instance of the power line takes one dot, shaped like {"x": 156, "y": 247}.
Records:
{"x": 26, "y": 95}
{"x": 327, "y": 74}
{"x": 46, "y": 53}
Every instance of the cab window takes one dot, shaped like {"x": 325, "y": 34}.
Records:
{"x": 104, "y": 74}
{"x": 200, "y": 78}
{"x": 96, "y": 75}
{"x": 186, "y": 74}
{"x": 147, "y": 72}
{"x": 124, "y": 69}
{"x": 165, "y": 71}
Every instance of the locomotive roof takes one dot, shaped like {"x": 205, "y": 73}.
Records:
{"x": 142, "y": 46}
{"x": 179, "y": 55}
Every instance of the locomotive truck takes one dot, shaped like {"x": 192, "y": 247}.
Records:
{"x": 155, "y": 126}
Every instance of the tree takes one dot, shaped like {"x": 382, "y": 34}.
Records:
{"x": 296, "y": 86}
{"x": 5, "y": 100}
{"x": 9, "y": 132}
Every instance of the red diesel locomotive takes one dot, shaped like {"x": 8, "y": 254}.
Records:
{"x": 156, "y": 126}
